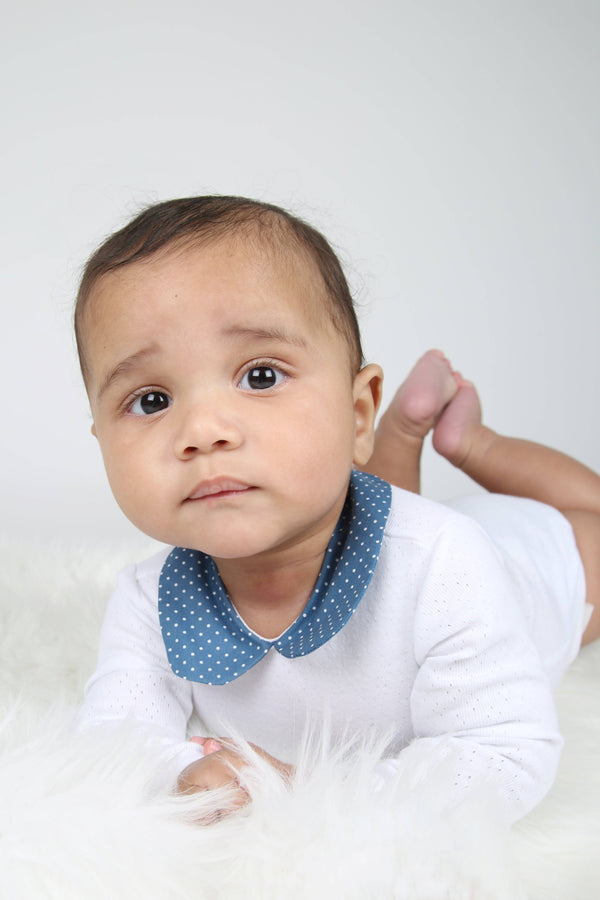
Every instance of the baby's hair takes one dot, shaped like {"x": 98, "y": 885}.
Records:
{"x": 201, "y": 220}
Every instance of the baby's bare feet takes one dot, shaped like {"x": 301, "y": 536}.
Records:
{"x": 430, "y": 386}
{"x": 459, "y": 430}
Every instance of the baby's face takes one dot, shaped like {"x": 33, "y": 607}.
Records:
{"x": 223, "y": 401}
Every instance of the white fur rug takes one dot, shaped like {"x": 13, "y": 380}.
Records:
{"x": 77, "y": 819}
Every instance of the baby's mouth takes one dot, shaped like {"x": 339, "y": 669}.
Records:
{"x": 217, "y": 487}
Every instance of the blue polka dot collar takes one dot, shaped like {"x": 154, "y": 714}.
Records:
{"x": 205, "y": 638}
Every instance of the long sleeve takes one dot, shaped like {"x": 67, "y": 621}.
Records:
{"x": 480, "y": 685}
{"x": 133, "y": 679}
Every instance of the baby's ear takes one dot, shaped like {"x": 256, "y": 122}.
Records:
{"x": 367, "y": 397}
{"x": 93, "y": 429}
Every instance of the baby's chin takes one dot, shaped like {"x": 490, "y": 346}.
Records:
{"x": 227, "y": 534}
{"x": 228, "y": 547}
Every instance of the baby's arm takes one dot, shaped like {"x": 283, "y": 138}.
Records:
{"x": 133, "y": 680}
{"x": 480, "y": 686}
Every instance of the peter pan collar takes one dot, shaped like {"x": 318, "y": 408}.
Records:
{"x": 208, "y": 642}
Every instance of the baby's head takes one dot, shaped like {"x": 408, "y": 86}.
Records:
{"x": 202, "y": 221}
{"x": 221, "y": 355}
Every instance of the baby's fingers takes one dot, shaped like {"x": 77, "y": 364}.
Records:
{"x": 209, "y": 745}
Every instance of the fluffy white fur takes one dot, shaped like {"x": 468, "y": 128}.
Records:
{"x": 78, "y": 816}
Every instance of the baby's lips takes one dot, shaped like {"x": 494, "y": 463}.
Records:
{"x": 215, "y": 486}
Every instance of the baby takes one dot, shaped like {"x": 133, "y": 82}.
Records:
{"x": 222, "y": 359}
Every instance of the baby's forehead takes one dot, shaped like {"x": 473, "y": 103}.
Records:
{"x": 283, "y": 271}
{"x": 244, "y": 273}
{"x": 278, "y": 254}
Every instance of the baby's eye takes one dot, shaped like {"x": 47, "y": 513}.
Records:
{"x": 149, "y": 403}
{"x": 259, "y": 378}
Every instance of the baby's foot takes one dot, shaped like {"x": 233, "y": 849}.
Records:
{"x": 421, "y": 398}
{"x": 459, "y": 430}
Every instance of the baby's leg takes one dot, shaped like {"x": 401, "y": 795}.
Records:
{"x": 435, "y": 397}
{"x": 506, "y": 465}
{"x": 411, "y": 415}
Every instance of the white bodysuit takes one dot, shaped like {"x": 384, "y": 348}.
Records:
{"x": 461, "y": 632}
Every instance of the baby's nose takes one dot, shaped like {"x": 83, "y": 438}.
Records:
{"x": 206, "y": 427}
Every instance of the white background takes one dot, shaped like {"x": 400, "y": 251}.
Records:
{"x": 449, "y": 149}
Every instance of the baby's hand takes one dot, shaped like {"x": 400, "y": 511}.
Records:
{"x": 221, "y": 767}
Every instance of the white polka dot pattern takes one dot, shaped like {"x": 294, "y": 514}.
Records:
{"x": 208, "y": 642}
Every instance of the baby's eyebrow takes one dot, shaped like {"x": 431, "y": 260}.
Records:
{"x": 125, "y": 366}
{"x": 279, "y": 335}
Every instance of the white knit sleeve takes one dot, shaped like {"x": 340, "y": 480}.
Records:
{"x": 133, "y": 680}
{"x": 480, "y": 687}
